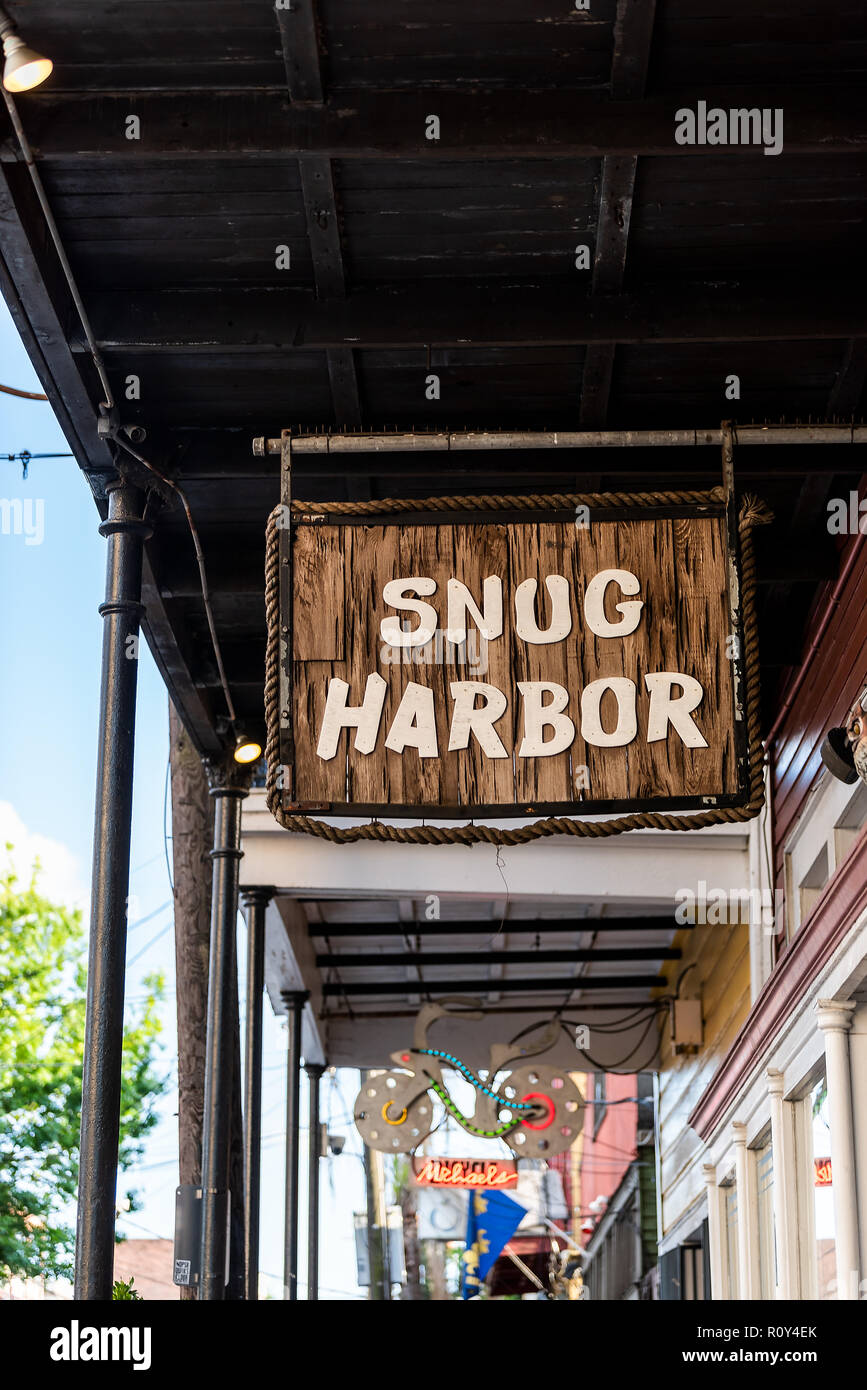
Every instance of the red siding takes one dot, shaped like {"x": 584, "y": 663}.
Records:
{"x": 836, "y": 676}
{"x": 607, "y": 1154}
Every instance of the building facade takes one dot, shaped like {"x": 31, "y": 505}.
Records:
{"x": 763, "y": 1126}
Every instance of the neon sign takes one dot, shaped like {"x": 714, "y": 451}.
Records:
{"x": 465, "y": 1172}
{"x": 822, "y": 1168}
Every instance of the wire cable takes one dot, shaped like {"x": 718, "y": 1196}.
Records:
{"x": 200, "y": 560}
{"x": 24, "y": 145}
{"x": 25, "y": 395}
{"x": 614, "y": 1066}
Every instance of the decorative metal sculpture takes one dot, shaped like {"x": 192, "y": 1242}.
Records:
{"x": 536, "y": 1109}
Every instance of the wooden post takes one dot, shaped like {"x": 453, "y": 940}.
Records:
{"x": 192, "y": 838}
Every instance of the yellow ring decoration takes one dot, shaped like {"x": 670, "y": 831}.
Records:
{"x": 387, "y": 1106}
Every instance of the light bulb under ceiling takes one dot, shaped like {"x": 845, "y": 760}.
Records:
{"x": 24, "y": 68}
{"x": 247, "y": 750}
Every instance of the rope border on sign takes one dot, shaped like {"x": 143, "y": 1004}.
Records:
{"x": 753, "y": 513}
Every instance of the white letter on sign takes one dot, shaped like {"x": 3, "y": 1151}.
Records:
{"x": 664, "y": 711}
{"x": 461, "y": 602}
{"x": 363, "y": 718}
{"x": 594, "y": 604}
{"x": 415, "y": 725}
{"x": 395, "y": 593}
{"x": 466, "y": 719}
{"x": 525, "y": 611}
{"x": 537, "y": 716}
{"x": 591, "y": 712}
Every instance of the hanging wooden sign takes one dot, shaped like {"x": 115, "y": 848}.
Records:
{"x": 512, "y": 662}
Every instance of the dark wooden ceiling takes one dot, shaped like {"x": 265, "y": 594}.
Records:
{"x": 304, "y": 128}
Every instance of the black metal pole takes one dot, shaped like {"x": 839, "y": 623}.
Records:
{"x": 314, "y": 1074}
{"x": 295, "y": 1001}
{"x": 228, "y": 793}
{"x": 103, "y": 1036}
{"x": 256, "y": 902}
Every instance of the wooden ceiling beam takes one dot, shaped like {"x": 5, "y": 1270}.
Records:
{"x": 556, "y": 984}
{"x": 633, "y": 36}
{"x": 373, "y": 960}
{"x": 369, "y": 124}
{"x": 444, "y": 313}
{"x": 299, "y": 37}
{"x": 300, "y": 43}
{"x": 518, "y": 926}
{"x": 847, "y": 392}
{"x": 164, "y": 637}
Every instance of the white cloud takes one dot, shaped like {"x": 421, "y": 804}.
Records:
{"x": 60, "y": 875}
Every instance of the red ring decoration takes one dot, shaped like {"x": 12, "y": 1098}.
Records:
{"x": 537, "y": 1095}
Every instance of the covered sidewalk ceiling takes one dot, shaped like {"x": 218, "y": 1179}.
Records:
{"x": 275, "y": 241}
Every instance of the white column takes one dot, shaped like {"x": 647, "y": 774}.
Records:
{"x": 785, "y": 1189}
{"x": 747, "y": 1232}
{"x": 715, "y": 1233}
{"x": 858, "y": 1071}
{"x": 835, "y": 1020}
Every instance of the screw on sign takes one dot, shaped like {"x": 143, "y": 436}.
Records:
{"x": 535, "y": 1109}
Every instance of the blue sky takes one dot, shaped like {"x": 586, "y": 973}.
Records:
{"x": 50, "y": 646}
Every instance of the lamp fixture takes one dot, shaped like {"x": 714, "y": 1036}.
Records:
{"x": 246, "y": 750}
{"x": 843, "y": 747}
{"x": 24, "y": 68}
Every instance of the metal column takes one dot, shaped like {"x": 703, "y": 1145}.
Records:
{"x": 256, "y": 901}
{"x": 103, "y": 1039}
{"x": 314, "y": 1072}
{"x": 295, "y": 1001}
{"x": 228, "y": 794}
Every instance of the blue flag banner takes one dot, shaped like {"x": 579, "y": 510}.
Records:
{"x": 492, "y": 1219}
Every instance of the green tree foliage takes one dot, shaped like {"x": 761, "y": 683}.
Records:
{"x": 42, "y": 989}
